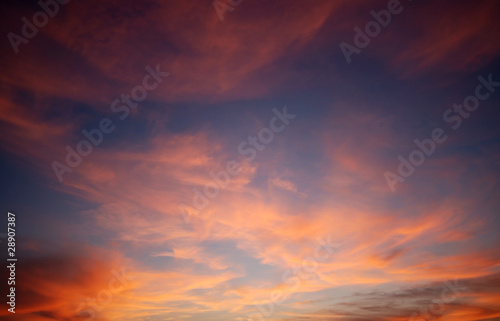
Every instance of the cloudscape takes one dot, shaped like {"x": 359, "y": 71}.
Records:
{"x": 220, "y": 160}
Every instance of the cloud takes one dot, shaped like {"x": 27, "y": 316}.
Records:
{"x": 322, "y": 177}
{"x": 53, "y": 287}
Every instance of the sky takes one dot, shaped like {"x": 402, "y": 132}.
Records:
{"x": 284, "y": 160}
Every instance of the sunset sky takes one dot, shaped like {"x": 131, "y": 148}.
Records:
{"x": 284, "y": 160}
